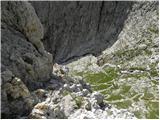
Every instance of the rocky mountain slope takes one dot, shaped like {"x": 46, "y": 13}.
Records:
{"x": 108, "y": 53}
{"x": 127, "y": 73}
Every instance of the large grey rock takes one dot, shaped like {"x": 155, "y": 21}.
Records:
{"x": 22, "y": 50}
{"x": 24, "y": 62}
{"x": 22, "y": 17}
{"x": 74, "y": 29}
{"x": 97, "y": 96}
{"x": 68, "y": 105}
{"x": 16, "y": 99}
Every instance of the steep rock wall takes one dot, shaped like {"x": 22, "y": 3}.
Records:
{"x": 22, "y": 50}
{"x": 74, "y": 29}
{"x": 24, "y": 62}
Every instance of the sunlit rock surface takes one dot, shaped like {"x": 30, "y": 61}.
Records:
{"x": 127, "y": 73}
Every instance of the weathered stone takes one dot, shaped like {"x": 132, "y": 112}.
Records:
{"x": 85, "y": 92}
{"x": 16, "y": 99}
{"x": 22, "y": 49}
{"x": 25, "y": 63}
{"x": 39, "y": 111}
{"x": 73, "y": 87}
{"x": 97, "y": 96}
{"x": 68, "y": 105}
{"x": 87, "y": 105}
{"x": 66, "y": 86}
{"x": 64, "y": 70}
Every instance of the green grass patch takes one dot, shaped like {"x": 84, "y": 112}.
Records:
{"x": 65, "y": 92}
{"x": 147, "y": 95}
{"x": 155, "y": 82}
{"x": 114, "y": 97}
{"x": 147, "y": 52}
{"x": 154, "y": 73}
{"x": 136, "y": 75}
{"x": 127, "y": 55}
{"x": 96, "y": 78}
{"x": 153, "y": 110}
{"x": 125, "y": 88}
{"x": 153, "y": 29}
{"x": 123, "y": 105}
{"x": 138, "y": 114}
{"x": 101, "y": 87}
{"x": 137, "y": 68}
{"x": 79, "y": 100}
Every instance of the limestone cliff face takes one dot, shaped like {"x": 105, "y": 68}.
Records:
{"x": 74, "y": 29}
{"x": 24, "y": 62}
{"x": 22, "y": 50}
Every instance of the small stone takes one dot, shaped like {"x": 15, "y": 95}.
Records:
{"x": 85, "y": 92}
{"x": 41, "y": 106}
{"x": 124, "y": 72}
{"x": 37, "y": 111}
{"x": 79, "y": 86}
{"x": 73, "y": 87}
{"x": 148, "y": 68}
{"x": 87, "y": 105}
{"x": 79, "y": 94}
{"x": 40, "y": 92}
{"x": 66, "y": 86}
{"x": 97, "y": 96}
{"x": 64, "y": 70}
{"x": 142, "y": 46}
{"x": 95, "y": 105}
{"x": 87, "y": 86}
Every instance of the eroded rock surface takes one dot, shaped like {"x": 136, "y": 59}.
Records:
{"x": 127, "y": 73}
{"x": 73, "y": 29}
{"x": 24, "y": 61}
{"x": 22, "y": 50}
{"x": 16, "y": 99}
{"x": 74, "y": 100}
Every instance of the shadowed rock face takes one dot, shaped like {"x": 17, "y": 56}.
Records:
{"x": 25, "y": 63}
{"x": 74, "y": 29}
{"x": 22, "y": 50}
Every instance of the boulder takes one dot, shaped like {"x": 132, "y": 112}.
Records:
{"x": 16, "y": 99}
{"x": 25, "y": 63}
{"x": 68, "y": 105}
{"x": 97, "y": 96}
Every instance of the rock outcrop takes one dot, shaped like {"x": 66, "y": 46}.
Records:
{"x": 22, "y": 50}
{"x": 127, "y": 73}
{"x": 24, "y": 62}
{"x": 74, "y": 29}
